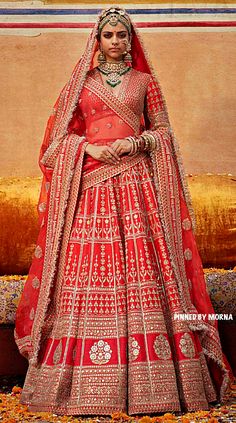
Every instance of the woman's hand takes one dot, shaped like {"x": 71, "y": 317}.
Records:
{"x": 104, "y": 153}
{"x": 121, "y": 146}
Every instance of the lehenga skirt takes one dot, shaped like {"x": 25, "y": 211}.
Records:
{"x": 110, "y": 339}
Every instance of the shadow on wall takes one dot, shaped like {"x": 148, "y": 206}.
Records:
{"x": 19, "y": 223}
{"x": 214, "y": 202}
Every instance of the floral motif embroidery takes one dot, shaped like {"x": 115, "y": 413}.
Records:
{"x": 47, "y": 186}
{"x": 57, "y": 353}
{"x": 188, "y": 254}
{"x": 162, "y": 347}
{"x": 187, "y": 346}
{"x": 32, "y": 313}
{"x": 134, "y": 348}
{"x": 36, "y": 283}
{"x": 100, "y": 352}
{"x": 38, "y": 252}
{"x": 42, "y": 207}
{"x": 186, "y": 224}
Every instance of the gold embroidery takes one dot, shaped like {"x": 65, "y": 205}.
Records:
{"x": 38, "y": 252}
{"x": 114, "y": 103}
{"x": 32, "y": 314}
{"x": 47, "y": 186}
{"x": 36, "y": 283}
{"x": 104, "y": 282}
{"x": 57, "y": 214}
{"x": 145, "y": 380}
{"x": 106, "y": 171}
{"x": 57, "y": 353}
{"x": 162, "y": 347}
{"x": 42, "y": 207}
{"x": 134, "y": 348}
{"x": 186, "y": 224}
{"x": 100, "y": 352}
{"x": 188, "y": 254}
{"x": 187, "y": 346}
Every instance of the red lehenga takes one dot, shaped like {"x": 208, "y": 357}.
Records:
{"x": 115, "y": 260}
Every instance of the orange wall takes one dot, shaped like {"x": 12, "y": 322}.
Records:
{"x": 196, "y": 71}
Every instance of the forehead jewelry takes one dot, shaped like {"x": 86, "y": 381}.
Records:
{"x": 113, "y": 16}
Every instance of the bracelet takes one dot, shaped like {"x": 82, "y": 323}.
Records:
{"x": 150, "y": 141}
{"x": 134, "y": 146}
{"x": 145, "y": 142}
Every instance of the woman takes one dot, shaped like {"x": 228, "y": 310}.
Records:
{"x": 116, "y": 260}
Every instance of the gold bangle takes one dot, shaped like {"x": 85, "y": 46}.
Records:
{"x": 131, "y": 140}
{"x": 150, "y": 141}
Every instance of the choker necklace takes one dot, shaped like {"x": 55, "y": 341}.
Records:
{"x": 113, "y": 71}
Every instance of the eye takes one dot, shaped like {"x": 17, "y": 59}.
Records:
{"x": 107, "y": 35}
{"x": 123, "y": 35}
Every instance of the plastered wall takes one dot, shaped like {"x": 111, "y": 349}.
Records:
{"x": 197, "y": 75}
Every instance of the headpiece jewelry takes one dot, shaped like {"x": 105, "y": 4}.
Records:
{"x": 113, "y": 16}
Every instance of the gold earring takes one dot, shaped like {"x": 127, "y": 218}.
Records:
{"x": 128, "y": 57}
{"x": 101, "y": 57}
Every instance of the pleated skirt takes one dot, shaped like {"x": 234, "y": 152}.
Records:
{"x": 113, "y": 343}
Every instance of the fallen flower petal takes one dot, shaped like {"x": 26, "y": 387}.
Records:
{"x": 145, "y": 419}
{"x": 16, "y": 390}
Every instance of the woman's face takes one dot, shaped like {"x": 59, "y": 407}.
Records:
{"x": 113, "y": 41}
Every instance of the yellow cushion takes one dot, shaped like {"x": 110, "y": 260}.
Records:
{"x": 221, "y": 285}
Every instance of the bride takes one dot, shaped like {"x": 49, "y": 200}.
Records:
{"x": 116, "y": 259}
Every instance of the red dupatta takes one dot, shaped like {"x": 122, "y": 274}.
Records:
{"x": 61, "y": 161}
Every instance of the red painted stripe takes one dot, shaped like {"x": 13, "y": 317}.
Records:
{"x": 45, "y": 25}
{"x": 139, "y": 24}
{"x": 179, "y": 24}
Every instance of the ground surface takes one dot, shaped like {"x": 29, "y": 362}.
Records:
{"x": 11, "y": 411}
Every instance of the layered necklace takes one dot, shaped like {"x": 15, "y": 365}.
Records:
{"x": 113, "y": 72}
